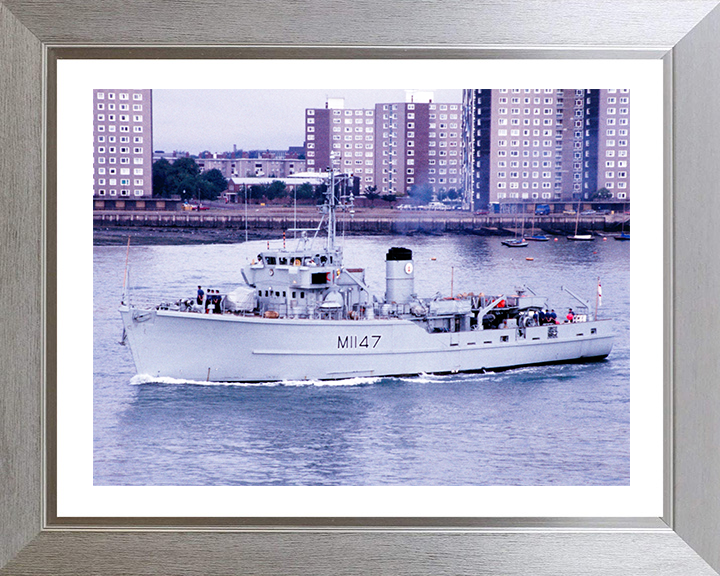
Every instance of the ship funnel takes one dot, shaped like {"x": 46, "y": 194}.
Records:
{"x": 399, "y": 276}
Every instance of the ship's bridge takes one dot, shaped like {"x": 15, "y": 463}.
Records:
{"x": 277, "y": 270}
{"x": 299, "y": 283}
{"x": 273, "y": 258}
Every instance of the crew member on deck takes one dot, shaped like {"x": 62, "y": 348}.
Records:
{"x": 200, "y": 295}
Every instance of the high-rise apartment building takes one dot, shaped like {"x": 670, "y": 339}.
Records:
{"x": 545, "y": 145}
{"x": 394, "y": 146}
{"x": 347, "y": 134}
{"x": 613, "y": 142}
{"x": 122, "y": 138}
{"x": 418, "y": 144}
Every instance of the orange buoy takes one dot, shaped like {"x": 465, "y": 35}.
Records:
{"x": 530, "y": 258}
{"x": 555, "y": 239}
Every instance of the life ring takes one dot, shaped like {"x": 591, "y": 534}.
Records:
{"x": 297, "y": 262}
{"x": 328, "y": 276}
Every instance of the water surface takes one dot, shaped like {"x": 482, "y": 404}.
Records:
{"x": 549, "y": 425}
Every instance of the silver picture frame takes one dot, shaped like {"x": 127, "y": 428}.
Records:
{"x": 685, "y": 34}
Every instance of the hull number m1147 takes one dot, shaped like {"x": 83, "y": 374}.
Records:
{"x": 358, "y": 341}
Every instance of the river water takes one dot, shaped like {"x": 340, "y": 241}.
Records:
{"x": 564, "y": 425}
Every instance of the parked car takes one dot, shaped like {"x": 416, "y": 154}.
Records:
{"x": 437, "y": 206}
{"x": 588, "y": 212}
{"x": 188, "y": 206}
{"x": 482, "y": 212}
{"x": 542, "y": 210}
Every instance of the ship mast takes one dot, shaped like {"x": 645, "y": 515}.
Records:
{"x": 331, "y": 208}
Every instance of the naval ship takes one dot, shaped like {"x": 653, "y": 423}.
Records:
{"x": 302, "y": 314}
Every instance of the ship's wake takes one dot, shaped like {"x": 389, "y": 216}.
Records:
{"x": 423, "y": 378}
{"x": 145, "y": 379}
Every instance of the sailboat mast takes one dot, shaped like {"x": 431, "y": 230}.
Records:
{"x": 577, "y": 218}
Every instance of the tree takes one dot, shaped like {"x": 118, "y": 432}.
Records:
{"x": 257, "y": 191}
{"x": 304, "y": 191}
{"x": 160, "y": 172}
{"x": 186, "y": 166}
{"x": 371, "y": 194}
{"x": 184, "y": 178}
{"x": 602, "y": 194}
{"x": 187, "y": 188}
{"x": 204, "y": 190}
{"x": 389, "y": 198}
{"x": 216, "y": 181}
{"x": 276, "y": 190}
{"x": 320, "y": 192}
{"x": 452, "y": 194}
{"x": 420, "y": 194}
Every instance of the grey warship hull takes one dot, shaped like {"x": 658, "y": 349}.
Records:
{"x": 227, "y": 348}
{"x": 303, "y": 315}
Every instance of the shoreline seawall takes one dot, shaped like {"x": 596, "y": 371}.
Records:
{"x": 226, "y": 227}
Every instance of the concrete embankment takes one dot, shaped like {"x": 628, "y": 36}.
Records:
{"x": 224, "y": 226}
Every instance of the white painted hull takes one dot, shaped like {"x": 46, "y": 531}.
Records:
{"x": 228, "y": 348}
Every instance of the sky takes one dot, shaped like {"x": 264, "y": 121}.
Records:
{"x": 214, "y": 120}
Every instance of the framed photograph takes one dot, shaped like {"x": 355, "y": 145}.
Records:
{"x": 328, "y": 327}
{"x": 76, "y": 489}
